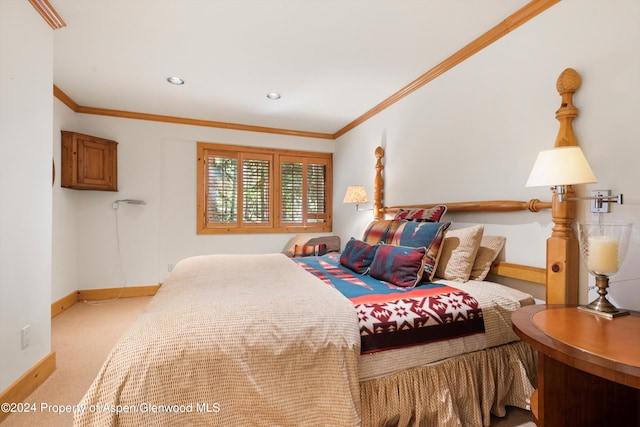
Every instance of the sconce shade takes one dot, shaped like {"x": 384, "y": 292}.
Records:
{"x": 561, "y": 166}
{"x": 356, "y": 194}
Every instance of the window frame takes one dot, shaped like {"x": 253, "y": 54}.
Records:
{"x": 275, "y": 225}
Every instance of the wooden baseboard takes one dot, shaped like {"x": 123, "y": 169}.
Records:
{"x": 109, "y": 293}
{"x": 63, "y": 303}
{"x": 101, "y": 294}
{"x": 28, "y": 382}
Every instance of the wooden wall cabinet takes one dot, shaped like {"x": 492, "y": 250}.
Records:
{"x": 89, "y": 162}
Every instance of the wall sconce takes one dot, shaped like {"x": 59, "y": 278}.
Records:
{"x": 115, "y": 205}
{"x": 562, "y": 166}
{"x": 356, "y": 194}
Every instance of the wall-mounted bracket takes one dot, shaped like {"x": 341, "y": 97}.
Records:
{"x": 601, "y": 198}
{"x": 598, "y": 205}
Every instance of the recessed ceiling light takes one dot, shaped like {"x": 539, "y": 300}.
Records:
{"x": 175, "y": 80}
{"x": 273, "y": 95}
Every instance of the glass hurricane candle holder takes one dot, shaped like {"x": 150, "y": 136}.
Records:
{"x": 603, "y": 248}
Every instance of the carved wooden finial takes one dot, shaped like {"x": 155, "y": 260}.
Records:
{"x": 379, "y": 152}
{"x": 378, "y": 185}
{"x": 568, "y": 81}
{"x": 567, "y": 84}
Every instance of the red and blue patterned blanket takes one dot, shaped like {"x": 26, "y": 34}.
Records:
{"x": 393, "y": 317}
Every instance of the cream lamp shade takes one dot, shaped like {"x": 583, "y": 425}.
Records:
{"x": 561, "y": 166}
{"x": 356, "y": 194}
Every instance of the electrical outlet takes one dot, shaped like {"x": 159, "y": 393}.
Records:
{"x": 602, "y": 206}
{"x": 26, "y": 336}
{"x": 115, "y": 205}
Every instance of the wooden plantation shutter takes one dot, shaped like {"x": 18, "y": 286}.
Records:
{"x": 316, "y": 192}
{"x": 259, "y": 190}
{"x": 291, "y": 201}
{"x": 222, "y": 190}
{"x": 304, "y": 183}
{"x": 256, "y": 190}
{"x": 238, "y": 198}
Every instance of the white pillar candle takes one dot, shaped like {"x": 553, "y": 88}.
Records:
{"x": 603, "y": 254}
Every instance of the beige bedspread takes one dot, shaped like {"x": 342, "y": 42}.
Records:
{"x": 260, "y": 349}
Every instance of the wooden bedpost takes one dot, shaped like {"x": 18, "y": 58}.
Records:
{"x": 378, "y": 185}
{"x": 563, "y": 250}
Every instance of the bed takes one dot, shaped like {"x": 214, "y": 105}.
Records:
{"x": 235, "y": 352}
{"x": 269, "y": 340}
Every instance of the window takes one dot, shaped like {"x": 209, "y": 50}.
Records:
{"x": 257, "y": 190}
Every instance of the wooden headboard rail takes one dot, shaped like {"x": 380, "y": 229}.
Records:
{"x": 379, "y": 210}
{"x": 562, "y": 258}
{"x": 533, "y": 205}
{"x": 501, "y": 268}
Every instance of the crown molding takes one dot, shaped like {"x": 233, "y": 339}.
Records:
{"x": 529, "y": 11}
{"x": 49, "y": 14}
{"x": 66, "y": 99}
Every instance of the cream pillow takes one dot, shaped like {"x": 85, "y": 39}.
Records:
{"x": 459, "y": 251}
{"x": 490, "y": 248}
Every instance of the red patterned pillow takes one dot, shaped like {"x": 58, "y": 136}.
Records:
{"x": 400, "y": 265}
{"x": 422, "y": 234}
{"x": 428, "y": 215}
{"x": 309, "y": 250}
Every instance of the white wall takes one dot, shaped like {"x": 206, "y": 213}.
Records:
{"x": 26, "y": 70}
{"x": 64, "y": 271}
{"x": 474, "y": 133}
{"x": 157, "y": 164}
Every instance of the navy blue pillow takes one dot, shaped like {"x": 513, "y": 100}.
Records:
{"x": 358, "y": 255}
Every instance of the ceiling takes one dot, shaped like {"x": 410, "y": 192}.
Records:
{"x": 331, "y": 60}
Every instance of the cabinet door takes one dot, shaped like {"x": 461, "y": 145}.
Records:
{"x": 95, "y": 160}
{"x": 89, "y": 163}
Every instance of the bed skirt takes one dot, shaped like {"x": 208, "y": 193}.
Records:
{"x": 462, "y": 391}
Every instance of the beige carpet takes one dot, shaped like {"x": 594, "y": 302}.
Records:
{"x": 82, "y": 337}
